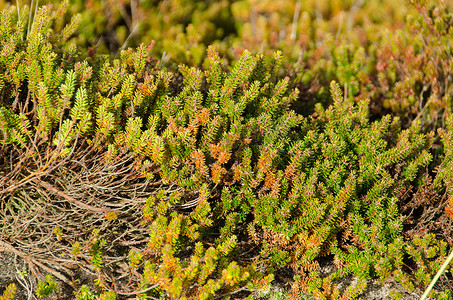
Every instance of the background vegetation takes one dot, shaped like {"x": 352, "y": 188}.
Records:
{"x": 215, "y": 149}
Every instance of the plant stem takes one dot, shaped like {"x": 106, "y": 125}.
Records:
{"x": 441, "y": 270}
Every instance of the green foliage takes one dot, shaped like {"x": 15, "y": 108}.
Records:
{"x": 244, "y": 186}
{"x": 84, "y": 293}
{"x": 9, "y": 293}
{"x": 444, "y": 173}
{"x": 95, "y": 246}
{"x": 46, "y": 288}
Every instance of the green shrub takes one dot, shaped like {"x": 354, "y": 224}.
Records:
{"x": 205, "y": 182}
{"x": 46, "y": 288}
{"x": 9, "y": 292}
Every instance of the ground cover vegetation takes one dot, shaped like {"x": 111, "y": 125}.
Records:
{"x": 214, "y": 149}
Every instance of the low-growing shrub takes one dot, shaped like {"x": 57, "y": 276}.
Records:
{"x": 121, "y": 178}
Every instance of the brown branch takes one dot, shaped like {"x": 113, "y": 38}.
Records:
{"x": 35, "y": 261}
{"x": 71, "y": 199}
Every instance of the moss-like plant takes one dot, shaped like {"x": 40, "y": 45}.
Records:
{"x": 9, "y": 293}
{"x": 204, "y": 182}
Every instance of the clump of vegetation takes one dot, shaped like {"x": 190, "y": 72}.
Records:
{"x": 124, "y": 175}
